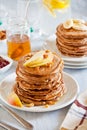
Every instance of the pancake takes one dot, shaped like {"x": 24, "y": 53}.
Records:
{"x": 71, "y": 33}
{"x": 71, "y": 41}
{"x": 39, "y": 85}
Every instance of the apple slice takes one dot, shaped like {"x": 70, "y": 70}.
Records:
{"x": 42, "y": 62}
{"x": 35, "y": 58}
{"x": 39, "y": 59}
{"x": 14, "y": 100}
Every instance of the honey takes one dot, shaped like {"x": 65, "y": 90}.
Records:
{"x": 18, "y": 45}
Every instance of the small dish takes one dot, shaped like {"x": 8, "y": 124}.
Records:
{"x": 5, "y": 68}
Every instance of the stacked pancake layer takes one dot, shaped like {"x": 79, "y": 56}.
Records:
{"x": 71, "y": 42}
{"x": 40, "y": 85}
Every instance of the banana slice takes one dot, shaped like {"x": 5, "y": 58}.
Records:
{"x": 78, "y": 21}
{"x": 75, "y": 24}
{"x": 79, "y": 26}
{"x": 39, "y": 59}
{"x": 68, "y": 24}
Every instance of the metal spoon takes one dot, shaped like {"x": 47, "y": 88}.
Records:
{"x": 18, "y": 118}
{"x": 7, "y": 126}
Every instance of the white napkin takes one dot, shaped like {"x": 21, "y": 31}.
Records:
{"x": 76, "y": 118}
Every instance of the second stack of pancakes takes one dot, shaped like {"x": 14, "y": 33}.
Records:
{"x": 40, "y": 85}
{"x": 72, "y": 41}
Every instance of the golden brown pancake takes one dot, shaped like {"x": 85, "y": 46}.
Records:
{"x": 40, "y": 85}
{"x": 71, "y": 42}
{"x": 71, "y": 33}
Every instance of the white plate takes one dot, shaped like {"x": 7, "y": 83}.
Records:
{"x": 72, "y": 91}
{"x": 75, "y": 67}
{"x": 51, "y": 45}
{"x": 4, "y": 69}
{"x": 76, "y": 64}
{"x": 73, "y": 64}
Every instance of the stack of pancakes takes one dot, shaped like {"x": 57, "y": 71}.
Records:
{"x": 39, "y": 85}
{"x": 71, "y": 42}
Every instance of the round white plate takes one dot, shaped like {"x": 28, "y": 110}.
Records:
{"x": 75, "y": 67}
{"x": 50, "y": 44}
{"x": 72, "y": 91}
{"x": 75, "y": 64}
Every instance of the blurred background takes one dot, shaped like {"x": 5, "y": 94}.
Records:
{"x": 78, "y": 6}
{"x": 38, "y": 19}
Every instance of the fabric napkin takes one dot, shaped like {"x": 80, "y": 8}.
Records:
{"x": 76, "y": 118}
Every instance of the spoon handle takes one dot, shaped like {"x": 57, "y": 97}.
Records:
{"x": 7, "y": 126}
{"x": 18, "y": 118}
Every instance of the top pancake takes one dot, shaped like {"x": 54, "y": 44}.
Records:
{"x": 57, "y": 65}
{"x": 71, "y": 33}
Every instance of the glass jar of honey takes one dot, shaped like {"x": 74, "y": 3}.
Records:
{"x": 18, "y": 42}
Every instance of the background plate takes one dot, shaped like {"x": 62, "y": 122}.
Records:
{"x": 51, "y": 45}
{"x": 75, "y": 67}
